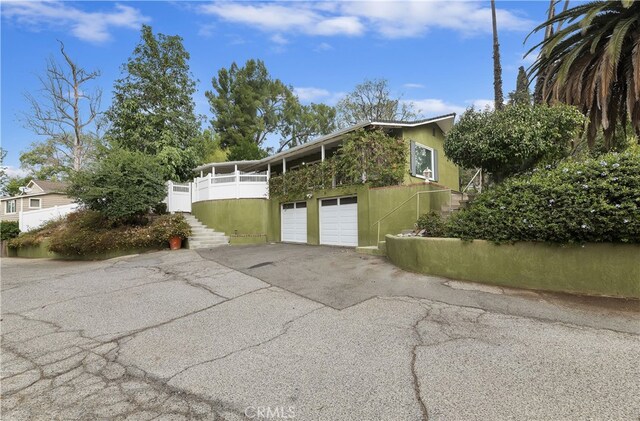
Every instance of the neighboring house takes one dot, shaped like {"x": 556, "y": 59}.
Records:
{"x": 39, "y": 195}
{"x": 233, "y": 196}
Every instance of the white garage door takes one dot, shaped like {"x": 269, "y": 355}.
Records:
{"x": 294, "y": 222}
{"x": 339, "y": 221}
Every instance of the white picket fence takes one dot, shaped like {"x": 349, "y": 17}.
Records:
{"x": 29, "y": 220}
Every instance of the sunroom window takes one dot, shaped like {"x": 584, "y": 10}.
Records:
{"x": 424, "y": 158}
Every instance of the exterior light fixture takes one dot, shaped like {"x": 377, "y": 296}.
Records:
{"x": 427, "y": 173}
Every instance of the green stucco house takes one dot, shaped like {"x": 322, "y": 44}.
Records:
{"x": 233, "y": 197}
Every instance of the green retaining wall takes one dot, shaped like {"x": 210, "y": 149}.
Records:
{"x": 592, "y": 269}
{"x": 41, "y": 251}
{"x": 257, "y": 221}
{"x": 235, "y": 216}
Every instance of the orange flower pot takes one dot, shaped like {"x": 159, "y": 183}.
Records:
{"x": 175, "y": 243}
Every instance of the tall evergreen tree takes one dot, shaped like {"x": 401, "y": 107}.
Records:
{"x": 522, "y": 95}
{"x": 153, "y": 109}
{"x": 498, "y": 96}
{"x": 249, "y": 105}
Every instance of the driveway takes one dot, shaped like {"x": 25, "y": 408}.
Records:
{"x": 300, "y": 332}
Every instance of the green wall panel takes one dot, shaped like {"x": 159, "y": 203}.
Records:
{"x": 593, "y": 269}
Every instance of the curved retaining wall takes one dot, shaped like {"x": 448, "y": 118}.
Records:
{"x": 592, "y": 269}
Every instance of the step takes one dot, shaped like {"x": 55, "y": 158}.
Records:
{"x": 206, "y": 246}
{"x": 370, "y": 250}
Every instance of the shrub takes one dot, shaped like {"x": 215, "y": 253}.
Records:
{"x": 88, "y": 232}
{"x": 595, "y": 200}
{"x": 433, "y": 223}
{"x": 9, "y": 230}
{"x": 123, "y": 185}
{"x": 513, "y": 140}
{"x": 35, "y": 237}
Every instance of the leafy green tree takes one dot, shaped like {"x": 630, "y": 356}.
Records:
{"x": 593, "y": 63}
{"x": 208, "y": 148}
{"x": 12, "y": 184}
{"x": 53, "y": 158}
{"x": 305, "y": 122}
{"x": 123, "y": 185}
{"x": 153, "y": 109}
{"x": 522, "y": 95}
{"x": 372, "y": 101}
{"x": 513, "y": 140}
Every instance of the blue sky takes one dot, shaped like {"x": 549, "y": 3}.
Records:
{"x": 436, "y": 54}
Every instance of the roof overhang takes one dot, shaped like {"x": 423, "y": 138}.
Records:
{"x": 445, "y": 122}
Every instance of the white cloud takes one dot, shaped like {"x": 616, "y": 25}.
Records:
{"x": 324, "y": 46}
{"x": 12, "y": 171}
{"x": 206, "y": 31}
{"x": 387, "y": 19}
{"x": 413, "y": 85}
{"x": 283, "y": 17}
{"x": 307, "y": 94}
{"x": 88, "y": 26}
{"x": 429, "y": 107}
{"x": 279, "y": 39}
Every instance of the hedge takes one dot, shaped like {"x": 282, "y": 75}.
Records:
{"x": 591, "y": 201}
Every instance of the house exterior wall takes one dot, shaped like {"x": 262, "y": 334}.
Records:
{"x": 448, "y": 172}
{"x": 22, "y": 204}
{"x": 255, "y": 219}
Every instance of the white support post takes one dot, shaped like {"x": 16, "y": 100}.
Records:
{"x": 284, "y": 165}
{"x": 237, "y": 183}
{"x": 268, "y": 172}
{"x": 169, "y": 194}
{"x": 322, "y": 152}
{"x": 201, "y": 173}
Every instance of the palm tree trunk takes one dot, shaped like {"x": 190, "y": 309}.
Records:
{"x": 497, "y": 68}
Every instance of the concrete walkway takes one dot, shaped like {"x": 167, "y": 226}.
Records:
{"x": 177, "y": 335}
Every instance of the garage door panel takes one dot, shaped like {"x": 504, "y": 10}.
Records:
{"x": 339, "y": 221}
{"x": 294, "y": 222}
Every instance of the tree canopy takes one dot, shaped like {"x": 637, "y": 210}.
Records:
{"x": 594, "y": 63}
{"x": 522, "y": 95}
{"x": 249, "y": 105}
{"x": 371, "y": 100}
{"x": 153, "y": 109}
{"x": 122, "y": 185}
{"x": 513, "y": 140}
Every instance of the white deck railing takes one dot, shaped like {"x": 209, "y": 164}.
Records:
{"x": 237, "y": 185}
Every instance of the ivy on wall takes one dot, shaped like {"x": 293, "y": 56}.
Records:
{"x": 365, "y": 156}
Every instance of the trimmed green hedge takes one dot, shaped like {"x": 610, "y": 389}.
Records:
{"x": 592, "y": 201}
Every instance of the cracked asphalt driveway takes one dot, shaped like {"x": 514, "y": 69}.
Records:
{"x": 182, "y": 335}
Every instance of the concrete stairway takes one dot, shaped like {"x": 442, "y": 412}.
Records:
{"x": 203, "y": 237}
{"x": 458, "y": 201}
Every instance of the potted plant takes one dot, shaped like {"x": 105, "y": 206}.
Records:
{"x": 174, "y": 229}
